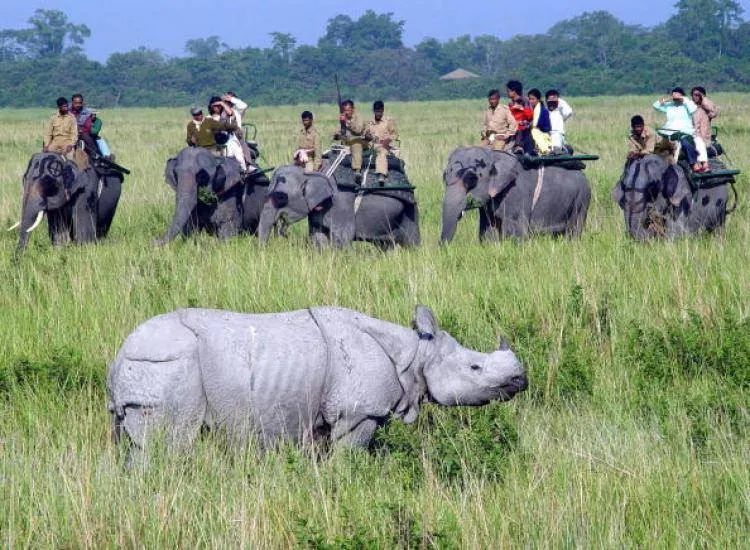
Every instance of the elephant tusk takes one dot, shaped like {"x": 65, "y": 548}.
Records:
{"x": 12, "y": 227}
{"x": 36, "y": 222}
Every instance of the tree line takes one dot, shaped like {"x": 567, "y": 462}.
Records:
{"x": 704, "y": 41}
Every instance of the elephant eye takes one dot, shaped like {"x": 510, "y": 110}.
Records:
{"x": 475, "y": 367}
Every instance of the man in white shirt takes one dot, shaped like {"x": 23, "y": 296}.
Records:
{"x": 235, "y": 144}
{"x": 559, "y": 113}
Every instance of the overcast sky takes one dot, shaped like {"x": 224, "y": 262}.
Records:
{"x": 123, "y": 25}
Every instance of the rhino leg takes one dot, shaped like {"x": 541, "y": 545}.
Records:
{"x": 156, "y": 388}
{"x": 349, "y": 432}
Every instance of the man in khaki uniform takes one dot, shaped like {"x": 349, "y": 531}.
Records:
{"x": 194, "y": 125}
{"x": 499, "y": 126}
{"x": 309, "y": 151}
{"x": 61, "y": 132}
{"x": 353, "y": 136}
{"x": 642, "y": 140}
{"x": 382, "y": 131}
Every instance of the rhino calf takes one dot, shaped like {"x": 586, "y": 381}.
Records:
{"x": 304, "y": 375}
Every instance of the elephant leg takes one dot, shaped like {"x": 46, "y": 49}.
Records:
{"x": 83, "y": 217}
{"x": 107, "y": 204}
{"x": 59, "y": 225}
{"x": 407, "y": 233}
{"x": 488, "y": 230}
{"x": 319, "y": 234}
{"x": 227, "y": 218}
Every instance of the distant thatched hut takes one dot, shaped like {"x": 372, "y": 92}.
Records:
{"x": 459, "y": 74}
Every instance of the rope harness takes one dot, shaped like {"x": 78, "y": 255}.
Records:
{"x": 538, "y": 188}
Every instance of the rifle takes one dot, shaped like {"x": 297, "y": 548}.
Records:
{"x": 341, "y": 108}
{"x": 112, "y": 165}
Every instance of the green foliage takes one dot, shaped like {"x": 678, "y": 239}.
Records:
{"x": 62, "y": 370}
{"x": 705, "y": 42}
{"x": 633, "y": 432}
{"x": 443, "y": 440}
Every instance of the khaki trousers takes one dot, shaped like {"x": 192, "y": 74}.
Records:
{"x": 381, "y": 159}
{"x": 356, "y": 146}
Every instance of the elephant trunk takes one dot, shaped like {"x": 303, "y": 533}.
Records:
{"x": 636, "y": 223}
{"x": 186, "y": 201}
{"x": 268, "y": 217}
{"x": 454, "y": 204}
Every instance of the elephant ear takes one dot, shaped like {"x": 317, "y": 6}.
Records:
{"x": 503, "y": 173}
{"x": 655, "y": 167}
{"x": 226, "y": 176}
{"x": 675, "y": 186}
{"x": 618, "y": 195}
{"x": 69, "y": 176}
{"x": 170, "y": 175}
{"x": 317, "y": 190}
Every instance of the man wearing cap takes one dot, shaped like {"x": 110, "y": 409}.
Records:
{"x": 194, "y": 125}
{"x": 354, "y": 135}
{"x": 61, "y": 131}
{"x": 382, "y": 131}
{"x": 214, "y": 124}
{"x": 309, "y": 152}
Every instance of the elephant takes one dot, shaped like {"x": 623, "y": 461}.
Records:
{"x": 657, "y": 199}
{"x": 318, "y": 374}
{"x": 230, "y": 202}
{"x": 80, "y": 203}
{"x": 339, "y": 211}
{"x": 514, "y": 201}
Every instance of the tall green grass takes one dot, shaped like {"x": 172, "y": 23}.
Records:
{"x": 634, "y": 431}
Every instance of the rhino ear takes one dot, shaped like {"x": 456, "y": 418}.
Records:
{"x": 425, "y": 323}
{"x": 503, "y": 344}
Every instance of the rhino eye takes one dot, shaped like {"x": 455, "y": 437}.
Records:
{"x": 475, "y": 367}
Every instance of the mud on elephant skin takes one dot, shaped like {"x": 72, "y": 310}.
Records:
{"x": 323, "y": 373}
{"x": 336, "y": 213}
{"x": 505, "y": 193}
{"x": 658, "y": 200}
{"x": 80, "y": 203}
{"x": 212, "y": 194}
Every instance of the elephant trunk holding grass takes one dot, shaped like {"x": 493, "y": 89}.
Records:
{"x": 338, "y": 214}
{"x": 212, "y": 194}
{"x": 323, "y": 373}
{"x": 657, "y": 199}
{"x": 513, "y": 201}
{"x": 80, "y": 202}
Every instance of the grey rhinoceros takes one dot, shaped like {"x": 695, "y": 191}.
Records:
{"x": 317, "y": 373}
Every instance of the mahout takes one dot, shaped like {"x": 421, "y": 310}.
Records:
{"x": 317, "y": 374}
{"x": 514, "y": 200}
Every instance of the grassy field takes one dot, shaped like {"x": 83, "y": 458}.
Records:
{"x": 634, "y": 431}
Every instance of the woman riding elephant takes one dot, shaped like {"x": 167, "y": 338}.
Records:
{"x": 513, "y": 201}
{"x": 657, "y": 199}
{"x": 212, "y": 194}
{"x": 340, "y": 212}
{"x": 80, "y": 202}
